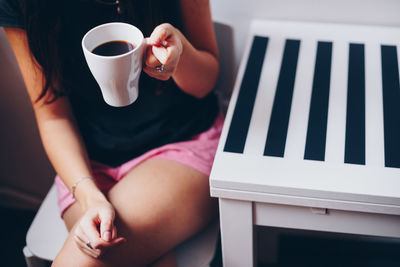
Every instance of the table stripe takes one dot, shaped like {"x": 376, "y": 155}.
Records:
{"x": 391, "y": 105}
{"x": 374, "y": 133}
{"x": 277, "y": 131}
{"x": 317, "y": 122}
{"x": 239, "y": 126}
{"x": 258, "y": 128}
{"x": 336, "y": 130}
{"x": 297, "y": 130}
{"x": 355, "y": 118}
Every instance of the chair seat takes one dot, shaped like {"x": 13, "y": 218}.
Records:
{"x": 47, "y": 234}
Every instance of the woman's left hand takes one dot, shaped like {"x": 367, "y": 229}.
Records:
{"x": 165, "y": 46}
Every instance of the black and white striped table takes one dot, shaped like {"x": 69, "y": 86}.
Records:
{"x": 312, "y": 134}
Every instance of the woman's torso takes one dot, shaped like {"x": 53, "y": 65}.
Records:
{"x": 161, "y": 114}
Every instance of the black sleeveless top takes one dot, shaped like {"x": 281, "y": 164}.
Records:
{"x": 162, "y": 113}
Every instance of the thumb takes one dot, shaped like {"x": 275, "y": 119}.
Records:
{"x": 161, "y": 53}
{"x": 106, "y": 225}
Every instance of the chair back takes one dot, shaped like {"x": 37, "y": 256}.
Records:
{"x": 224, "y": 86}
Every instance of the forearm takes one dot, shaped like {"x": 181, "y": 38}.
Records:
{"x": 68, "y": 156}
{"x": 59, "y": 135}
{"x": 197, "y": 70}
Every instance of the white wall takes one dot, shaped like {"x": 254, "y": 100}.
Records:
{"x": 239, "y": 13}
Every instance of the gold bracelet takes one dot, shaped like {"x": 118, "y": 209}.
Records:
{"x": 76, "y": 183}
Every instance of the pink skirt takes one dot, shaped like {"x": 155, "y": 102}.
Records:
{"x": 197, "y": 153}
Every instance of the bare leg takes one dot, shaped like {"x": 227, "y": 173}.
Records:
{"x": 168, "y": 260}
{"x": 159, "y": 204}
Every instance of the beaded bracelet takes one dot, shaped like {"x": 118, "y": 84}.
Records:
{"x": 76, "y": 183}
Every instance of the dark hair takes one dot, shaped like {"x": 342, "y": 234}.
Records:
{"x": 47, "y": 20}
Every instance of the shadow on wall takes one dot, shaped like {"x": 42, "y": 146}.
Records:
{"x": 26, "y": 174}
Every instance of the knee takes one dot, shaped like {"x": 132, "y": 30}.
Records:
{"x": 142, "y": 220}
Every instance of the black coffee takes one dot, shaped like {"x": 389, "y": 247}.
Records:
{"x": 113, "y": 48}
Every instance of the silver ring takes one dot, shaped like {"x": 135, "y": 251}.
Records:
{"x": 89, "y": 245}
{"x": 159, "y": 68}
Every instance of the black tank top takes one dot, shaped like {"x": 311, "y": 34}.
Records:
{"x": 162, "y": 113}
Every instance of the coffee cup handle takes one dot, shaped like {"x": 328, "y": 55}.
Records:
{"x": 146, "y": 44}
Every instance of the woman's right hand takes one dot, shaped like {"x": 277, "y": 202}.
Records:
{"x": 95, "y": 232}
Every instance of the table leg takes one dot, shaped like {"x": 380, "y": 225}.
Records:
{"x": 236, "y": 219}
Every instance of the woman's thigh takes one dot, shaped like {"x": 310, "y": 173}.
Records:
{"x": 158, "y": 204}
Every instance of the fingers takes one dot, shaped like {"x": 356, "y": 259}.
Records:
{"x": 161, "y": 62}
{"x": 108, "y": 230}
{"x": 151, "y": 67}
{"x": 95, "y": 247}
{"x": 86, "y": 235}
{"x": 166, "y": 50}
{"x": 163, "y": 53}
{"x": 88, "y": 247}
{"x": 155, "y": 73}
{"x": 161, "y": 34}
{"x": 115, "y": 242}
{"x": 89, "y": 229}
{"x": 151, "y": 60}
{"x": 95, "y": 253}
{"x": 114, "y": 232}
{"x": 95, "y": 232}
{"x": 159, "y": 41}
{"x": 106, "y": 224}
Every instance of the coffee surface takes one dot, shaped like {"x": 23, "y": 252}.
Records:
{"x": 113, "y": 48}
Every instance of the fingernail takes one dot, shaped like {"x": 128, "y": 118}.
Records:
{"x": 107, "y": 236}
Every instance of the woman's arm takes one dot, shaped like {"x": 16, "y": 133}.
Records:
{"x": 58, "y": 132}
{"x": 60, "y": 136}
{"x": 191, "y": 60}
{"x": 197, "y": 70}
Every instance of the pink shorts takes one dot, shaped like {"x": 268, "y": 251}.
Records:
{"x": 197, "y": 153}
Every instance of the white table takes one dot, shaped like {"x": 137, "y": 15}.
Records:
{"x": 311, "y": 138}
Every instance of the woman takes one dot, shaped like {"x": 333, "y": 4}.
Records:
{"x": 132, "y": 181}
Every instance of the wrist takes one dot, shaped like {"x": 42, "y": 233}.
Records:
{"x": 73, "y": 188}
{"x": 87, "y": 193}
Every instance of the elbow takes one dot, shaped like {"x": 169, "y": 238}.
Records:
{"x": 208, "y": 83}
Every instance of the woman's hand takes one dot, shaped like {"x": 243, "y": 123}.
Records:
{"x": 95, "y": 232}
{"x": 164, "y": 51}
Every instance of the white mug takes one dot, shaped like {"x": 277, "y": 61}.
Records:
{"x": 118, "y": 76}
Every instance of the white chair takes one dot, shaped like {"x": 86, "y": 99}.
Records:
{"x": 47, "y": 232}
